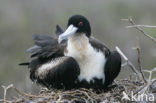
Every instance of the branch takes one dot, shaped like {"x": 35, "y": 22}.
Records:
{"x": 5, "y": 91}
{"x": 145, "y": 26}
{"x": 128, "y": 62}
{"x": 139, "y": 28}
{"x": 150, "y": 81}
{"x": 139, "y": 63}
{"x": 29, "y": 95}
{"x": 121, "y": 53}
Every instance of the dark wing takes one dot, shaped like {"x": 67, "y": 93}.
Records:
{"x": 58, "y": 30}
{"x": 112, "y": 67}
{"x": 60, "y": 73}
{"x": 98, "y": 45}
{"x": 113, "y": 63}
{"x": 49, "y": 66}
{"x": 45, "y": 47}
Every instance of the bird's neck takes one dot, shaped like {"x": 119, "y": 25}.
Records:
{"x": 77, "y": 46}
{"x": 78, "y": 41}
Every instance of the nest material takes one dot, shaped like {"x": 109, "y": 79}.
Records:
{"x": 81, "y": 95}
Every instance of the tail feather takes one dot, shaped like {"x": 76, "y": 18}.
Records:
{"x": 45, "y": 47}
{"x": 33, "y": 49}
{"x": 24, "y": 64}
{"x": 58, "y": 30}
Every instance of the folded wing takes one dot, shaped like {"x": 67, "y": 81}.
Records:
{"x": 49, "y": 67}
{"x": 112, "y": 67}
{"x": 113, "y": 63}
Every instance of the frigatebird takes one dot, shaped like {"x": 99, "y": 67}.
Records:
{"x": 74, "y": 59}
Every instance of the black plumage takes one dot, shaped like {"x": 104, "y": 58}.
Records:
{"x": 57, "y": 76}
{"x": 63, "y": 71}
{"x": 113, "y": 66}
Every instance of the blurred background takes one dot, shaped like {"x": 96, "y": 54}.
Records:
{"x": 20, "y": 19}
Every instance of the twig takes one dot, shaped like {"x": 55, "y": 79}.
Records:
{"x": 121, "y": 53}
{"x": 129, "y": 63}
{"x": 139, "y": 28}
{"x": 59, "y": 100}
{"x": 153, "y": 81}
{"x": 89, "y": 98}
{"x": 146, "y": 26}
{"x": 149, "y": 82}
{"x": 139, "y": 63}
{"x": 6, "y": 101}
{"x": 5, "y": 91}
{"x": 29, "y": 95}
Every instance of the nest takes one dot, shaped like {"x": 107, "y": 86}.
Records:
{"x": 114, "y": 94}
{"x": 82, "y": 95}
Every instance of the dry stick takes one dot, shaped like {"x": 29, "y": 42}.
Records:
{"x": 138, "y": 49}
{"x": 140, "y": 29}
{"x": 129, "y": 63}
{"x": 145, "y": 26}
{"x": 88, "y": 96}
{"x": 59, "y": 100}
{"x": 29, "y": 95}
{"x": 6, "y": 101}
{"x": 139, "y": 63}
{"x": 153, "y": 81}
{"x": 149, "y": 82}
{"x": 5, "y": 91}
{"x": 136, "y": 92}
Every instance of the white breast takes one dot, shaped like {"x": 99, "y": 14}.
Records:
{"x": 91, "y": 62}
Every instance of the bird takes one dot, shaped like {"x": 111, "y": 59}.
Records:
{"x": 73, "y": 59}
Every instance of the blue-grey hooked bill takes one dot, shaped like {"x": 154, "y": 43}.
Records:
{"x": 71, "y": 30}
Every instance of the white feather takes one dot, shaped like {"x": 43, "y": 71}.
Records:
{"x": 44, "y": 69}
{"x": 91, "y": 61}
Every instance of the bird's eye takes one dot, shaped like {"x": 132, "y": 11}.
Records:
{"x": 80, "y": 23}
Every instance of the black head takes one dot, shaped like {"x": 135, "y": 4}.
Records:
{"x": 81, "y": 23}
{"x": 77, "y": 24}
